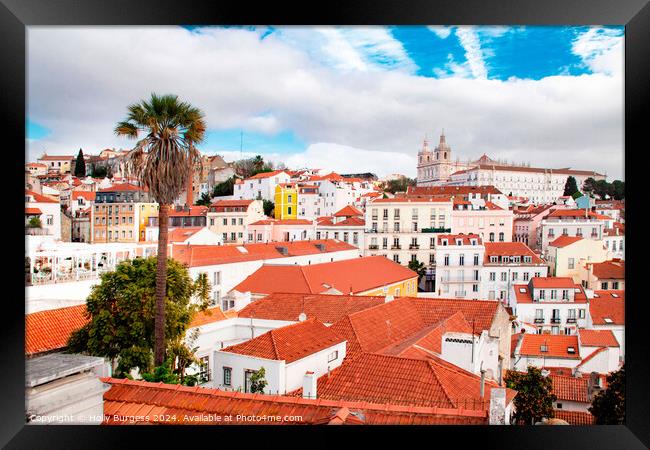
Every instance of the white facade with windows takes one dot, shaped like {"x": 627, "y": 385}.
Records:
{"x": 499, "y": 274}
{"x": 261, "y": 186}
{"x": 551, "y": 228}
{"x": 459, "y": 259}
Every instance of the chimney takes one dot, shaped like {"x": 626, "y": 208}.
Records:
{"x": 482, "y": 381}
{"x": 309, "y": 385}
{"x": 497, "y": 412}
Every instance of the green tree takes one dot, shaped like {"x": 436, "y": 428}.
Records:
{"x": 268, "y": 206}
{"x": 162, "y": 374}
{"x": 204, "y": 200}
{"x": 122, "y": 312}
{"x": 258, "y": 382}
{"x": 99, "y": 171}
{"x": 35, "y": 222}
{"x": 576, "y": 195}
{"x": 80, "y": 165}
{"x": 571, "y": 186}
{"x": 618, "y": 189}
{"x": 171, "y": 128}
{"x": 534, "y": 400}
{"x": 420, "y": 268}
{"x": 399, "y": 185}
{"x": 608, "y": 406}
{"x": 224, "y": 188}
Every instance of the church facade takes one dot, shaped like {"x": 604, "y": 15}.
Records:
{"x": 538, "y": 185}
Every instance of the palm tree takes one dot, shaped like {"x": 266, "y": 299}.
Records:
{"x": 170, "y": 128}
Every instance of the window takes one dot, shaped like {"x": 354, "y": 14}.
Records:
{"x": 504, "y": 276}
{"x": 396, "y": 258}
{"x": 526, "y": 276}
{"x": 225, "y": 221}
{"x": 50, "y": 220}
{"x": 461, "y": 261}
{"x": 501, "y": 237}
{"x": 542, "y": 294}
{"x": 491, "y": 237}
{"x": 227, "y": 376}
{"x": 233, "y": 236}
{"x": 493, "y": 276}
{"x": 475, "y": 259}
{"x": 555, "y": 330}
{"x": 333, "y": 356}
{"x": 565, "y": 294}
{"x": 396, "y": 226}
{"x": 571, "y": 263}
{"x": 614, "y": 285}
{"x": 515, "y": 275}
{"x": 289, "y": 210}
{"x": 446, "y": 261}
{"x": 475, "y": 288}
{"x": 581, "y": 313}
{"x": 553, "y": 294}
{"x": 604, "y": 285}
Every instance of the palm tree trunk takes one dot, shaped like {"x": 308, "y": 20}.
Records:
{"x": 190, "y": 187}
{"x": 161, "y": 285}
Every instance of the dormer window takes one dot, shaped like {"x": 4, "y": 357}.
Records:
{"x": 443, "y": 242}
{"x": 528, "y": 259}
{"x": 494, "y": 259}
{"x": 459, "y": 242}
{"x": 543, "y": 348}
{"x": 571, "y": 350}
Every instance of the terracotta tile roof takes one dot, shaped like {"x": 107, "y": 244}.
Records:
{"x": 211, "y": 315}
{"x": 575, "y": 417}
{"x": 50, "y": 329}
{"x": 348, "y": 211}
{"x": 465, "y": 239}
{"x": 523, "y": 291}
{"x": 405, "y": 381}
{"x": 38, "y": 198}
{"x": 570, "y": 388}
{"x": 267, "y": 174}
{"x": 87, "y": 195}
{"x": 349, "y": 222}
{"x": 557, "y": 345}
{"x": 329, "y": 177}
{"x": 608, "y": 270}
{"x": 356, "y": 275}
{"x": 597, "y": 338}
{"x": 207, "y": 255}
{"x": 35, "y": 165}
{"x": 552, "y": 282}
{"x": 289, "y": 343}
{"x": 297, "y": 222}
{"x": 56, "y": 158}
{"x": 491, "y": 206}
{"x": 181, "y": 234}
{"x": 605, "y": 307}
{"x": 564, "y": 241}
{"x": 578, "y": 213}
{"x": 325, "y": 308}
{"x": 411, "y": 200}
{"x": 451, "y": 190}
{"x": 141, "y": 399}
{"x": 193, "y": 211}
{"x": 510, "y": 249}
{"x": 33, "y": 212}
{"x": 122, "y": 187}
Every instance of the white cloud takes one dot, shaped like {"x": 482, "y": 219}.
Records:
{"x": 441, "y": 31}
{"x": 80, "y": 80}
{"x": 471, "y": 43}
{"x": 601, "y": 49}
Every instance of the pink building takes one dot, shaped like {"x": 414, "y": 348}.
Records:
{"x": 491, "y": 222}
{"x": 276, "y": 230}
{"x": 526, "y": 223}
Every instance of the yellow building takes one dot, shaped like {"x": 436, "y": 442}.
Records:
{"x": 286, "y": 201}
{"x": 566, "y": 254}
{"x": 146, "y": 210}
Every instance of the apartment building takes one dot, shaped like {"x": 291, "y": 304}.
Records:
{"x": 571, "y": 222}
{"x": 606, "y": 275}
{"x": 566, "y": 254}
{"x": 231, "y": 218}
{"x": 261, "y": 186}
{"x": 506, "y": 264}
{"x": 458, "y": 262}
{"x": 493, "y": 223}
{"x": 121, "y": 213}
{"x": 56, "y": 163}
{"x": 404, "y": 229}
{"x": 286, "y": 201}
{"x": 47, "y": 210}
{"x": 285, "y": 230}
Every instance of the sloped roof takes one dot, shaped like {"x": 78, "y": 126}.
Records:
{"x": 464, "y": 238}
{"x": 349, "y": 275}
{"x": 289, "y": 343}
{"x": 322, "y": 307}
{"x": 50, "y": 329}
{"x": 510, "y": 249}
{"x": 564, "y": 241}
{"x": 38, "y": 198}
{"x": 348, "y": 211}
{"x": 557, "y": 345}
{"x": 33, "y": 212}
{"x": 575, "y": 417}
{"x": 87, "y": 195}
{"x": 597, "y": 338}
{"x": 570, "y": 388}
{"x": 605, "y": 306}
{"x": 608, "y": 270}
{"x": 123, "y": 187}
{"x": 181, "y": 234}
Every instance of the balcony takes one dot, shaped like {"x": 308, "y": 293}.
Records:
{"x": 436, "y": 230}
{"x": 373, "y": 247}
{"x": 414, "y": 246}
{"x": 571, "y": 320}
{"x": 395, "y": 247}
{"x": 374, "y": 217}
{"x": 539, "y": 320}
{"x": 460, "y": 293}
{"x": 555, "y": 320}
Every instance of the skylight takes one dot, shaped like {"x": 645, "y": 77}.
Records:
{"x": 608, "y": 320}
{"x": 543, "y": 348}
{"x": 570, "y": 349}
{"x": 596, "y": 295}
{"x": 615, "y": 295}
{"x": 522, "y": 290}
{"x": 242, "y": 250}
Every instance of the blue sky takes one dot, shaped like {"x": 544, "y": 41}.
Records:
{"x": 294, "y": 91}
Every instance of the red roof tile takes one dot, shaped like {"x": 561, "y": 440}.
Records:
{"x": 557, "y": 345}
{"x": 451, "y": 190}
{"x": 564, "y": 241}
{"x": 230, "y": 203}
{"x": 289, "y": 343}
{"x": 575, "y": 417}
{"x": 552, "y": 282}
{"x": 56, "y": 158}
{"x": 608, "y": 270}
{"x": 182, "y": 234}
{"x": 207, "y": 255}
{"x": 33, "y": 212}
{"x": 523, "y": 292}
{"x": 267, "y": 174}
{"x": 38, "y": 198}
{"x": 354, "y": 275}
{"x": 605, "y": 306}
{"x": 570, "y": 388}
{"x": 122, "y": 187}
{"x": 578, "y": 213}
{"x": 597, "y": 338}
{"x": 50, "y": 329}
{"x": 348, "y": 211}
{"x": 153, "y": 402}
{"x": 297, "y": 222}
{"x": 510, "y": 249}
{"x": 87, "y": 195}
{"x": 464, "y": 238}
{"x": 211, "y": 315}
{"x": 324, "y": 308}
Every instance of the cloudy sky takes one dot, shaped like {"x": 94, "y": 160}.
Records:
{"x": 349, "y": 99}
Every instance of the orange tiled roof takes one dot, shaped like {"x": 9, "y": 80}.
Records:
{"x": 324, "y": 307}
{"x": 570, "y": 388}
{"x": 50, "y": 329}
{"x": 597, "y": 338}
{"x": 604, "y": 306}
{"x": 465, "y": 238}
{"x": 87, "y": 195}
{"x": 207, "y": 255}
{"x": 348, "y": 211}
{"x": 56, "y": 158}
{"x": 411, "y": 200}
{"x": 211, "y": 315}
{"x": 579, "y": 213}
{"x": 35, "y": 165}
{"x": 33, "y": 212}
{"x": 289, "y": 343}
{"x": 405, "y": 381}
{"x": 523, "y": 292}
{"x": 139, "y": 400}
{"x": 451, "y": 190}
{"x": 267, "y": 174}
{"x": 349, "y": 222}
{"x": 182, "y": 233}
{"x": 607, "y": 270}
{"x": 552, "y": 282}
{"x": 564, "y": 241}
{"x": 354, "y": 275}
{"x": 557, "y": 345}
{"x": 510, "y": 249}
{"x": 575, "y": 417}
{"x": 122, "y": 187}
{"x": 38, "y": 198}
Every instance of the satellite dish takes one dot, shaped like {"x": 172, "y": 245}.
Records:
{"x": 302, "y": 317}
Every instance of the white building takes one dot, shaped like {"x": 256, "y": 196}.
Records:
{"x": 506, "y": 264}
{"x": 458, "y": 260}
{"x": 47, "y": 210}
{"x": 347, "y": 224}
{"x": 287, "y": 355}
{"x": 260, "y": 186}
{"x": 230, "y": 218}
{"x": 555, "y": 305}
{"x": 491, "y": 222}
{"x": 570, "y": 222}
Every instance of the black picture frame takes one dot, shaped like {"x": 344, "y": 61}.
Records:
{"x": 15, "y": 15}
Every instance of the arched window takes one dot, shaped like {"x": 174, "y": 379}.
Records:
{"x": 491, "y": 237}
